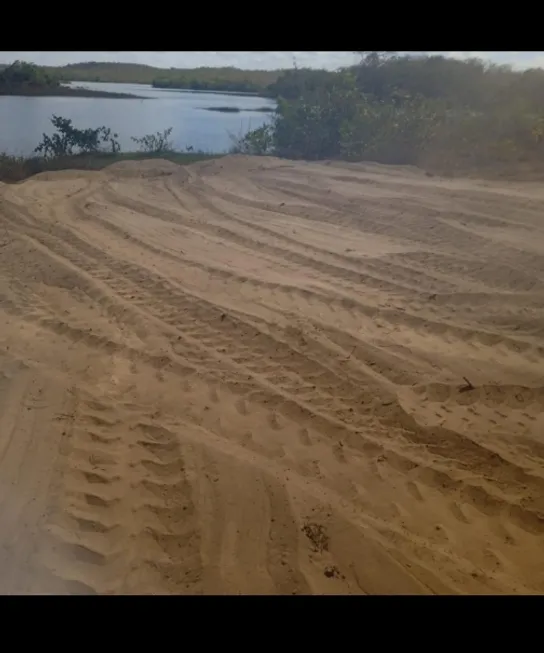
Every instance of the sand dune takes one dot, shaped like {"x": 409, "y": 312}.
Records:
{"x": 257, "y": 376}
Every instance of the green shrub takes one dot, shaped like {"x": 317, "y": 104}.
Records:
{"x": 258, "y": 141}
{"x": 68, "y": 140}
{"x": 155, "y": 143}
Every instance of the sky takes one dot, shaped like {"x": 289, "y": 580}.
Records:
{"x": 264, "y": 60}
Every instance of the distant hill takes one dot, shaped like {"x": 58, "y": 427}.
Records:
{"x": 26, "y": 79}
{"x": 217, "y": 79}
{"x": 92, "y": 71}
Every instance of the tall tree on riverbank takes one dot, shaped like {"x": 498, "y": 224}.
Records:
{"x": 22, "y": 73}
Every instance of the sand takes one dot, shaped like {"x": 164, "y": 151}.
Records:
{"x": 264, "y": 377}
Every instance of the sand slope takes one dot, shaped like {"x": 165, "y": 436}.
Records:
{"x": 246, "y": 376}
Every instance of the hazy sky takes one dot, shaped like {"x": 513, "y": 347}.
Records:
{"x": 255, "y": 59}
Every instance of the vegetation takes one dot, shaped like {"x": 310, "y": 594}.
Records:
{"x": 32, "y": 79}
{"x": 92, "y": 71}
{"x": 20, "y": 74}
{"x": 238, "y": 109}
{"x": 219, "y": 80}
{"x": 292, "y": 83}
{"x": 224, "y": 109}
{"x": 89, "y": 149}
{"x": 430, "y": 111}
{"x": 68, "y": 138}
{"x": 198, "y": 79}
{"x": 155, "y": 143}
{"x": 23, "y": 78}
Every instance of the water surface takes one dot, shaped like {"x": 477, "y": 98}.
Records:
{"x": 23, "y": 120}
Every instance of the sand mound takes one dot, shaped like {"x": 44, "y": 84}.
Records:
{"x": 142, "y": 169}
{"x": 65, "y": 175}
{"x": 257, "y": 376}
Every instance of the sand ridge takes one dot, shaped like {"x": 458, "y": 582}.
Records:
{"x": 258, "y": 376}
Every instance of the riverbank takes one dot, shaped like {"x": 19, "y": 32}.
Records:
{"x": 211, "y": 80}
{"x": 65, "y": 91}
{"x": 14, "y": 169}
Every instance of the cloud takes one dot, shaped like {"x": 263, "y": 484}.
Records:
{"x": 258, "y": 59}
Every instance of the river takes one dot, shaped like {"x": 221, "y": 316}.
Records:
{"x": 23, "y": 120}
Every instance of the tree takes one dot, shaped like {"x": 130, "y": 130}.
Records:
{"x": 21, "y": 73}
{"x": 376, "y": 57}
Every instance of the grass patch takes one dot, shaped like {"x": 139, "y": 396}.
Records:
{"x": 14, "y": 168}
{"x": 238, "y": 110}
{"x": 224, "y": 109}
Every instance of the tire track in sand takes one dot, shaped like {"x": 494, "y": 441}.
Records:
{"x": 288, "y": 400}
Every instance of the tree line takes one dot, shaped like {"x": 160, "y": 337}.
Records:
{"x": 21, "y": 73}
{"x": 432, "y": 111}
{"x": 198, "y": 79}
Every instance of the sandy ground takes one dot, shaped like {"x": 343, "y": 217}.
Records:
{"x": 247, "y": 376}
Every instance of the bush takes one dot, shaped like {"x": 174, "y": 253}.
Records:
{"x": 259, "y": 141}
{"x": 155, "y": 143}
{"x": 390, "y": 132}
{"x": 68, "y": 140}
